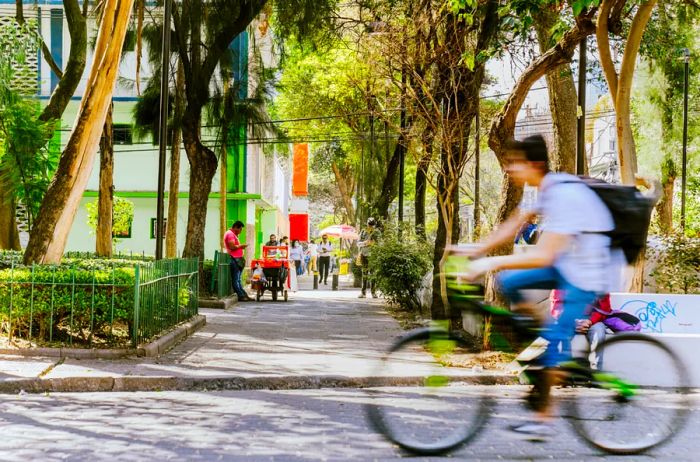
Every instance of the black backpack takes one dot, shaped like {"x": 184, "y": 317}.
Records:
{"x": 631, "y": 212}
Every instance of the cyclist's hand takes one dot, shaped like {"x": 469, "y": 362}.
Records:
{"x": 471, "y": 251}
{"x": 477, "y": 269}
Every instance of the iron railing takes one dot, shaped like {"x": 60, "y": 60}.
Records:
{"x": 166, "y": 293}
{"x": 95, "y": 303}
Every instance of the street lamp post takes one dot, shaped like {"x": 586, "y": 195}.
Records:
{"x": 163, "y": 129}
{"x": 581, "y": 126}
{"x": 686, "y": 58}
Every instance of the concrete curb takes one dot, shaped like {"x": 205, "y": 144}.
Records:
{"x": 219, "y": 303}
{"x": 154, "y": 348}
{"x": 145, "y": 383}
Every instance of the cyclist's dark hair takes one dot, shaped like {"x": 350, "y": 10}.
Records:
{"x": 534, "y": 148}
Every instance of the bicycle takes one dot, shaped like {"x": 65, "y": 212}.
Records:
{"x": 618, "y": 410}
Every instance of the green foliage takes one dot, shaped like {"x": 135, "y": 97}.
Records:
{"x": 677, "y": 265}
{"x": 67, "y": 303}
{"x": 122, "y": 216}
{"x": 398, "y": 265}
{"x": 26, "y": 165}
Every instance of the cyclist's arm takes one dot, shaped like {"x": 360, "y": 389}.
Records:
{"x": 543, "y": 254}
{"x": 506, "y": 232}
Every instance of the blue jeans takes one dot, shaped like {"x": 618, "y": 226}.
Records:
{"x": 574, "y": 304}
{"x": 236, "y": 285}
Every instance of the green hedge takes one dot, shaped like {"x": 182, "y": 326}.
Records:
{"x": 67, "y": 304}
{"x": 398, "y": 265}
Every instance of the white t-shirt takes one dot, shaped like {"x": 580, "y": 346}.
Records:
{"x": 567, "y": 206}
{"x": 313, "y": 250}
{"x": 325, "y": 248}
{"x": 295, "y": 253}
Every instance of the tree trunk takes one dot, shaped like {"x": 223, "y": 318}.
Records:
{"x": 390, "y": 184}
{"x": 77, "y": 28}
{"x": 174, "y": 187}
{"x": 621, "y": 85}
{"x": 203, "y": 165}
{"x": 447, "y": 220}
{"x": 511, "y": 196}
{"x": 563, "y": 100}
{"x": 50, "y": 232}
{"x": 664, "y": 209}
{"x": 9, "y": 233}
{"x": 106, "y": 195}
{"x": 345, "y": 191}
{"x": 422, "y": 181}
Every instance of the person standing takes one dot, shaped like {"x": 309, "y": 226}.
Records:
{"x": 296, "y": 253}
{"x": 312, "y": 252}
{"x": 273, "y": 241}
{"x": 324, "y": 258}
{"x": 368, "y": 237}
{"x": 233, "y": 246}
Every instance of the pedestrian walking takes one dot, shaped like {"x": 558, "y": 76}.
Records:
{"x": 368, "y": 238}
{"x": 233, "y": 246}
{"x": 312, "y": 254}
{"x": 296, "y": 254}
{"x": 324, "y": 258}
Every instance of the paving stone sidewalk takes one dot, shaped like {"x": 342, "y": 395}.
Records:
{"x": 317, "y": 338}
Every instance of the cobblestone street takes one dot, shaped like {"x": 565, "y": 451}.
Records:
{"x": 259, "y": 426}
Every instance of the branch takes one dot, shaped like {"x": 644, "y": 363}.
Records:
{"x": 221, "y": 41}
{"x": 604, "y": 48}
{"x": 615, "y": 17}
{"x": 629, "y": 58}
{"x": 503, "y": 126}
{"x": 19, "y": 17}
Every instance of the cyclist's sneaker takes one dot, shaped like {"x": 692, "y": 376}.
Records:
{"x": 532, "y": 431}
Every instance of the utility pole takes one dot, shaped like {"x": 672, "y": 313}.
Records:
{"x": 581, "y": 124}
{"x": 684, "y": 171}
{"x": 477, "y": 154}
{"x": 402, "y": 146}
{"x": 163, "y": 129}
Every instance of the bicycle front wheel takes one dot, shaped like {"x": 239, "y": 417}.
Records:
{"x": 419, "y": 402}
{"x": 637, "y": 401}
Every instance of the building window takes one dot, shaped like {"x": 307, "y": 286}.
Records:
{"x": 122, "y": 134}
{"x": 612, "y": 136}
{"x": 153, "y": 227}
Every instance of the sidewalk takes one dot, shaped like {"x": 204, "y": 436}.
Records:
{"x": 319, "y": 338}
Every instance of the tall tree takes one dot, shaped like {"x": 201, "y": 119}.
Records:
{"x": 563, "y": 99}
{"x": 203, "y": 33}
{"x": 620, "y": 84}
{"x": 503, "y": 126}
{"x": 48, "y": 237}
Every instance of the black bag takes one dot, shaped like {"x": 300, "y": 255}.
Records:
{"x": 631, "y": 212}
{"x": 240, "y": 262}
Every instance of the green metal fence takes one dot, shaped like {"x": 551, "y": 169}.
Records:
{"x": 95, "y": 303}
{"x": 166, "y": 293}
{"x": 67, "y": 305}
{"x": 221, "y": 277}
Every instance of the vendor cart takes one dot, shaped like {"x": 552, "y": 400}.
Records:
{"x": 274, "y": 276}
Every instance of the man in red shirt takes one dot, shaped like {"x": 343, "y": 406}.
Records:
{"x": 235, "y": 250}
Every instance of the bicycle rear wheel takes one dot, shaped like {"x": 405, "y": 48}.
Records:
{"x": 638, "y": 401}
{"x": 418, "y": 402}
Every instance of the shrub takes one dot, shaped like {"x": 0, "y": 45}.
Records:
{"x": 398, "y": 265}
{"x": 677, "y": 264}
{"x": 60, "y": 303}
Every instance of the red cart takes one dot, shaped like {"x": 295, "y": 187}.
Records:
{"x": 275, "y": 272}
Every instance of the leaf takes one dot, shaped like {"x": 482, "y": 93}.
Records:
{"x": 468, "y": 60}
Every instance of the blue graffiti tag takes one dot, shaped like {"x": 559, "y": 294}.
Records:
{"x": 651, "y": 315}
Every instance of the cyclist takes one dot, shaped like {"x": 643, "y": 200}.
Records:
{"x": 572, "y": 254}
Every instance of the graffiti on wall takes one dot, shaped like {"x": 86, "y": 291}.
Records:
{"x": 651, "y": 313}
